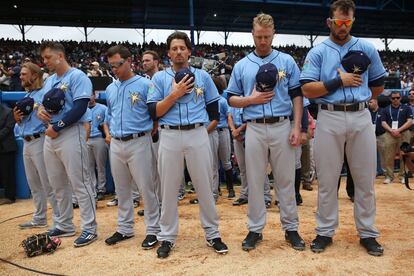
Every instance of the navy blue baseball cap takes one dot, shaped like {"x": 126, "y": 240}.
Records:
{"x": 356, "y": 62}
{"x": 54, "y": 100}
{"x": 182, "y": 73}
{"x": 266, "y": 77}
{"x": 25, "y": 105}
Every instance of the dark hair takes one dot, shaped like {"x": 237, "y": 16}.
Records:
{"x": 342, "y": 5}
{"x": 395, "y": 92}
{"x": 179, "y": 35}
{"x": 52, "y": 45}
{"x": 154, "y": 54}
{"x": 118, "y": 49}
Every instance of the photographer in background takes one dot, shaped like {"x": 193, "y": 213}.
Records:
{"x": 396, "y": 120}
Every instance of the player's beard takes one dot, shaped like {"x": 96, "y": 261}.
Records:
{"x": 340, "y": 37}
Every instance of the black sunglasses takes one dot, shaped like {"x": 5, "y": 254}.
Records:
{"x": 395, "y": 98}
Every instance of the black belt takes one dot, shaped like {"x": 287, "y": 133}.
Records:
{"x": 182, "y": 127}
{"x": 269, "y": 120}
{"x": 29, "y": 138}
{"x": 130, "y": 137}
{"x": 222, "y": 128}
{"x": 345, "y": 107}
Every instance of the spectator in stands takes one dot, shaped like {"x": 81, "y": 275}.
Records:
{"x": 14, "y": 73}
{"x": 411, "y": 104}
{"x": 95, "y": 71}
{"x": 396, "y": 120}
{"x": 4, "y": 79}
{"x": 8, "y": 149}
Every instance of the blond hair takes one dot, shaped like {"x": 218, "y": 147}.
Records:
{"x": 264, "y": 20}
{"x": 37, "y": 75}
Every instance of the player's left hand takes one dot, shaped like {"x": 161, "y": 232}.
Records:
{"x": 294, "y": 137}
{"x": 51, "y": 132}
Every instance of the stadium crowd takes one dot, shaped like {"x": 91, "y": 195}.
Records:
{"x": 90, "y": 57}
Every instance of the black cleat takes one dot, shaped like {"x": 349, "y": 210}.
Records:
{"x": 295, "y": 240}
{"x": 251, "y": 240}
{"x": 320, "y": 243}
{"x": 268, "y": 204}
{"x": 219, "y": 246}
{"x": 140, "y": 213}
{"x": 164, "y": 250}
{"x": 149, "y": 242}
{"x": 299, "y": 200}
{"x": 372, "y": 246}
{"x": 240, "y": 201}
{"x": 231, "y": 194}
{"x": 116, "y": 237}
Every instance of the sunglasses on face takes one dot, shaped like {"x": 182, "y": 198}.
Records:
{"x": 117, "y": 64}
{"x": 411, "y": 94}
{"x": 340, "y": 22}
{"x": 395, "y": 98}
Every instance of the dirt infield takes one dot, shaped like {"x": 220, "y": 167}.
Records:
{"x": 395, "y": 220}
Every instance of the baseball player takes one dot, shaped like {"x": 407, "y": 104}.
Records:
{"x": 182, "y": 109}
{"x": 65, "y": 151}
{"x": 136, "y": 195}
{"x": 238, "y": 130}
{"x": 269, "y": 135}
{"x": 131, "y": 153}
{"x": 98, "y": 150}
{"x": 341, "y": 74}
{"x": 224, "y": 145}
{"x": 32, "y": 130}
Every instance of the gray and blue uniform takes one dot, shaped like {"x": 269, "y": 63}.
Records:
{"x": 66, "y": 156}
{"x": 131, "y": 153}
{"x": 98, "y": 150}
{"x": 268, "y": 142}
{"x": 340, "y": 131}
{"x": 32, "y": 130}
{"x": 192, "y": 145}
{"x": 224, "y": 144}
{"x": 239, "y": 151}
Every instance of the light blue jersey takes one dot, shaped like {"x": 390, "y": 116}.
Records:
{"x": 224, "y": 111}
{"x": 98, "y": 118}
{"x": 243, "y": 80}
{"x": 190, "y": 108}
{"x": 75, "y": 84}
{"x": 323, "y": 60}
{"x": 127, "y": 108}
{"x": 31, "y": 124}
{"x": 237, "y": 115}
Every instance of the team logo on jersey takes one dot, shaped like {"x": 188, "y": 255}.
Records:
{"x": 98, "y": 117}
{"x": 306, "y": 65}
{"x": 281, "y": 74}
{"x": 134, "y": 96}
{"x": 64, "y": 87}
{"x": 198, "y": 92}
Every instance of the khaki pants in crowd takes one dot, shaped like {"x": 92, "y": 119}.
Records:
{"x": 391, "y": 147}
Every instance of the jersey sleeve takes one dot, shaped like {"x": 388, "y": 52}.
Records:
{"x": 211, "y": 93}
{"x": 311, "y": 69}
{"x": 294, "y": 76}
{"x": 376, "y": 70}
{"x": 81, "y": 87}
{"x": 155, "y": 93}
{"x": 235, "y": 86}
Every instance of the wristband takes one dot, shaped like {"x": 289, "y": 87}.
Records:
{"x": 333, "y": 85}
